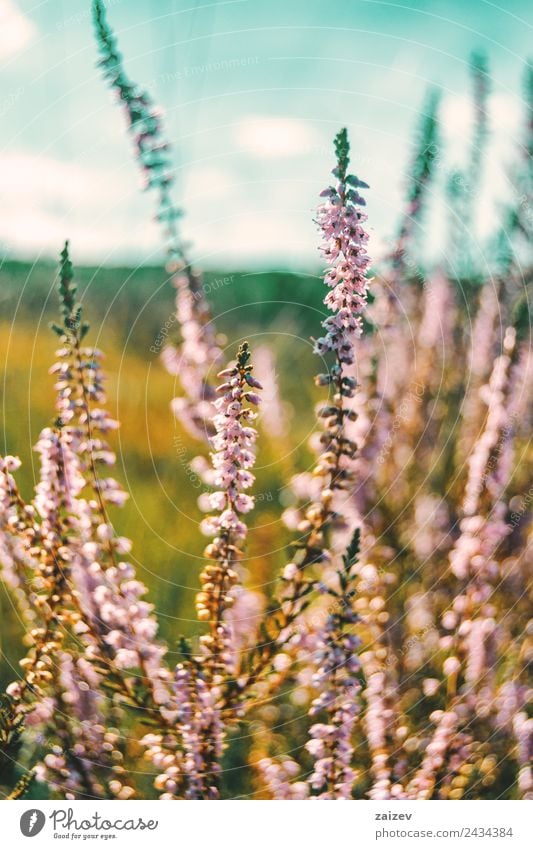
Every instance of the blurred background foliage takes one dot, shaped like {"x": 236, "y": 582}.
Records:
{"x": 127, "y": 309}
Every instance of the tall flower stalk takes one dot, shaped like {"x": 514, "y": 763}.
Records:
{"x": 463, "y": 186}
{"x": 331, "y": 743}
{"x": 201, "y": 684}
{"x": 110, "y": 597}
{"x": 340, "y": 218}
{"x": 199, "y": 349}
{"x": 91, "y": 622}
{"x": 341, "y": 221}
{"x": 421, "y": 173}
{"x": 232, "y": 461}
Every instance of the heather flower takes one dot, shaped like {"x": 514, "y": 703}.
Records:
{"x": 191, "y": 768}
{"x": 423, "y": 782}
{"x": 144, "y": 120}
{"x": 473, "y": 554}
{"x": 421, "y": 173}
{"x": 232, "y": 460}
{"x": 337, "y": 683}
{"x": 341, "y": 220}
{"x": 199, "y": 348}
{"x": 379, "y": 666}
{"x": 120, "y": 621}
{"x": 243, "y": 618}
{"x": 85, "y": 761}
{"x": 278, "y": 777}
{"x": 198, "y": 353}
{"x": 80, "y": 587}
{"x": 523, "y": 730}
{"x": 42, "y": 528}
{"x": 473, "y": 645}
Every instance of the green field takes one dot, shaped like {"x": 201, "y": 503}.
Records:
{"x": 127, "y": 309}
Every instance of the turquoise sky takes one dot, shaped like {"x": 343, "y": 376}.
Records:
{"x": 253, "y": 92}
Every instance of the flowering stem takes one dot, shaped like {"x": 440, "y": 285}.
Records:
{"x": 341, "y": 219}
{"x": 232, "y": 461}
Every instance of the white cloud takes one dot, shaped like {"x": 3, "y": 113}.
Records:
{"x": 274, "y": 137}
{"x": 16, "y": 30}
{"x": 214, "y": 182}
{"x": 505, "y": 132}
{"x": 31, "y": 178}
{"x": 45, "y": 201}
{"x": 505, "y": 113}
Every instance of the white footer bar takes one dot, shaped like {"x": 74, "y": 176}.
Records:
{"x": 268, "y": 825}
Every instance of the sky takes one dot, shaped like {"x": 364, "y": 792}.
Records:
{"x": 253, "y": 92}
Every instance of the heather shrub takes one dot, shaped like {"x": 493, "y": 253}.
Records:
{"x": 390, "y": 658}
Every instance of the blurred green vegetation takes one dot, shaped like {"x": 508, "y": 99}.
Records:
{"x": 127, "y": 309}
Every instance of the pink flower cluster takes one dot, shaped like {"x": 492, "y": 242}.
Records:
{"x": 197, "y": 355}
{"x": 232, "y": 460}
{"x": 341, "y": 221}
{"x": 331, "y": 743}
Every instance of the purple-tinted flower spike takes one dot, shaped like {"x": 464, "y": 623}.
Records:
{"x": 341, "y": 220}
{"x": 472, "y": 646}
{"x": 419, "y": 178}
{"x": 336, "y": 680}
{"x": 196, "y": 355}
{"x": 86, "y": 760}
{"x": 278, "y": 777}
{"x": 232, "y": 461}
{"x": 523, "y": 731}
{"x": 199, "y": 347}
{"x": 43, "y": 530}
{"x": 119, "y": 619}
{"x": 80, "y": 581}
{"x": 423, "y": 782}
{"x": 47, "y": 534}
{"x": 144, "y": 121}
{"x": 188, "y": 764}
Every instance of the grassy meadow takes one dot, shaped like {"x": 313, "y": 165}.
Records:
{"x": 127, "y": 309}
